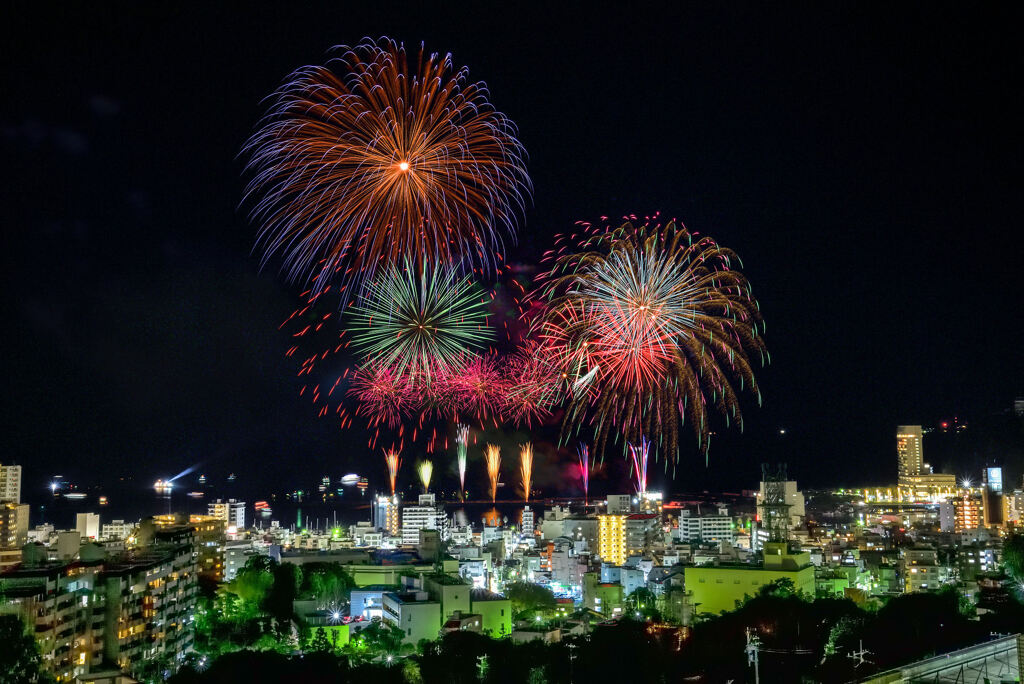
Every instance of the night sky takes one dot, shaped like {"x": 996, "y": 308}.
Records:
{"x": 864, "y": 161}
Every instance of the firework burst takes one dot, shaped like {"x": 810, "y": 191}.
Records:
{"x": 384, "y": 397}
{"x": 425, "y": 470}
{"x": 377, "y": 157}
{"x": 651, "y": 326}
{"x": 418, "y": 326}
{"x": 394, "y": 462}
{"x": 492, "y": 455}
{"x": 461, "y": 444}
{"x": 526, "y": 469}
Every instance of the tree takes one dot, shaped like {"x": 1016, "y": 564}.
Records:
{"x": 644, "y": 602}
{"x": 527, "y": 597}
{"x": 1013, "y": 557}
{"x": 20, "y": 662}
{"x": 319, "y": 642}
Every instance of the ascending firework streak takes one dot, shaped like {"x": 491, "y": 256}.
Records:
{"x": 426, "y": 469}
{"x": 585, "y": 470}
{"x": 639, "y": 455}
{"x": 461, "y": 440}
{"x": 492, "y": 454}
{"x": 393, "y": 460}
{"x": 526, "y": 468}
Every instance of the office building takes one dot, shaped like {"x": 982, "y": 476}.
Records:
{"x": 641, "y": 531}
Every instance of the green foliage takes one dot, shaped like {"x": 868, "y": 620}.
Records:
{"x": 326, "y": 583}
{"x": 527, "y": 597}
{"x": 20, "y": 662}
{"x": 644, "y": 602}
{"x": 319, "y": 642}
{"x": 1013, "y": 557}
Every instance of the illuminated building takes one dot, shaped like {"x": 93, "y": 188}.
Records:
{"x": 10, "y": 483}
{"x": 611, "y": 538}
{"x": 909, "y": 452}
{"x": 131, "y": 610}
{"x": 714, "y": 588}
{"x": 209, "y": 542}
{"x": 13, "y": 533}
{"x": 527, "y": 526}
{"x": 385, "y": 514}
{"x": 794, "y": 500}
{"x": 707, "y": 528}
{"x": 232, "y": 512}
{"x": 426, "y": 515}
{"x": 602, "y": 597}
{"x": 618, "y": 504}
{"x": 969, "y": 512}
{"x": 927, "y": 488}
{"x": 641, "y": 530}
{"x": 88, "y": 525}
{"x": 920, "y": 568}
{"x": 116, "y": 530}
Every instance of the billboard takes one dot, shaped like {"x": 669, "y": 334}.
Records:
{"x": 994, "y": 478}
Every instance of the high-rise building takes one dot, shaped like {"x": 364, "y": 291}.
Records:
{"x": 10, "y": 483}
{"x": 88, "y": 525}
{"x": 385, "y": 514}
{"x": 969, "y": 512}
{"x": 133, "y": 609}
{"x": 909, "y": 451}
{"x": 527, "y": 522}
{"x": 232, "y": 512}
{"x": 611, "y": 538}
{"x": 641, "y": 530}
{"x": 426, "y": 515}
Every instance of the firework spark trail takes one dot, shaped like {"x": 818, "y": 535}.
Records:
{"x": 461, "y": 444}
{"x": 394, "y": 462}
{"x": 651, "y": 326}
{"x": 375, "y": 158}
{"x": 492, "y": 455}
{"x": 526, "y": 469}
{"x": 584, "y": 455}
{"x": 640, "y": 454}
{"x": 425, "y": 470}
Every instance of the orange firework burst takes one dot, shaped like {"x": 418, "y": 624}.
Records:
{"x": 492, "y": 454}
{"x": 375, "y": 158}
{"x": 394, "y": 461}
{"x": 526, "y": 469}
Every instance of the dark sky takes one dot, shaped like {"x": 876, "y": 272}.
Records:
{"x": 864, "y": 161}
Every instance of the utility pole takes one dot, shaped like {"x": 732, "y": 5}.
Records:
{"x": 859, "y": 654}
{"x": 753, "y": 645}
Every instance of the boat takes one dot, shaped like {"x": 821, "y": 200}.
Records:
{"x": 77, "y": 496}
{"x": 103, "y": 501}
{"x": 196, "y": 495}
